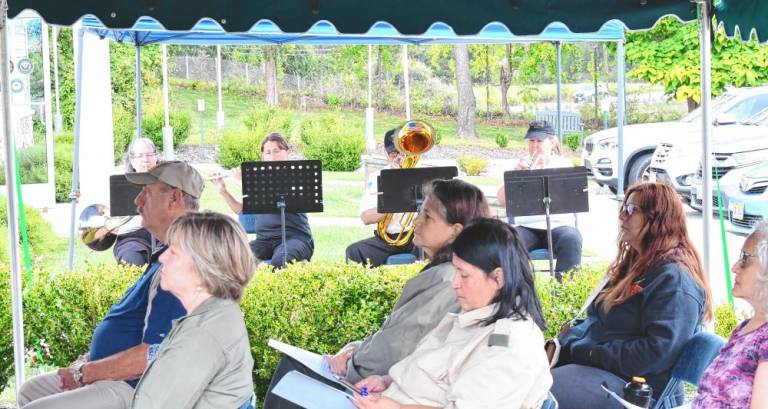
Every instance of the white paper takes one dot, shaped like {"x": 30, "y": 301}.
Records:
{"x": 310, "y": 393}
{"x": 311, "y": 360}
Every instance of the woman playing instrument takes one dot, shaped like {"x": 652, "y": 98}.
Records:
{"x": 205, "y": 360}
{"x": 738, "y": 377}
{"x": 544, "y": 153}
{"x": 135, "y": 246}
{"x": 268, "y": 244}
{"x": 449, "y": 205}
{"x": 488, "y": 355}
{"x": 655, "y": 299}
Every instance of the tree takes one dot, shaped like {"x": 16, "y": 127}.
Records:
{"x": 270, "y": 71}
{"x": 668, "y": 55}
{"x": 466, "y": 96}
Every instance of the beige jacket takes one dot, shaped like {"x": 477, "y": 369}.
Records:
{"x": 426, "y": 298}
{"x": 460, "y": 366}
{"x": 204, "y": 362}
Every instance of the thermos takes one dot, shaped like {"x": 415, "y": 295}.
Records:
{"x": 638, "y": 392}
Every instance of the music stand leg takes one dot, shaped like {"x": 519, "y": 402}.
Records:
{"x": 547, "y": 202}
{"x": 281, "y": 206}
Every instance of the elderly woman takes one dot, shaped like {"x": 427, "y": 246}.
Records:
{"x": 268, "y": 244}
{"x": 738, "y": 377}
{"x": 205, "y": 360}
{"x": 655, "y": 299}
{"x": 136, "y": 246}
{"x": 489, "y": 355}
{"x": 449, "y": 205}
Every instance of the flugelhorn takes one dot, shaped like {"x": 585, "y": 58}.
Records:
{"x": 99, "y": 231}
{"x": 414, "y": 139}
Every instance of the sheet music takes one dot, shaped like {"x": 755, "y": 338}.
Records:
{"x": 311, "y": 393}
{"x": 311, "y": 360}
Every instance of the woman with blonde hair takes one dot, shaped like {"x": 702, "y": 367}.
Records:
{"x": 205, "y": 360}
{"x": 655, "y": 299}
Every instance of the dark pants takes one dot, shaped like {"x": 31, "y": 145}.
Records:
{"x": 578, "y": 387}
{"x": 272, "y": 249}
{"x": 288, "y": 364}
{"x": 566, "y": 243}
{"x": 375, "y": 250}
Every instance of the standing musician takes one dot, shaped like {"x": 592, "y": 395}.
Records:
{"x": 375, "y": 250}
{"x": 544, "y": 153}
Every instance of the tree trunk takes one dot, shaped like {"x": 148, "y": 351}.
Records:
{"x": 505, "y": 80}
{"x": 487, "y": 83}
{"x": 270, "y": 66}
{"x": 692, "y": 104}
{"x": 466, "y": 97}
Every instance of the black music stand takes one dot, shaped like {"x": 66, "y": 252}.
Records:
{"x": 294, "y": 186}
{"x": 400, "y": 189}
{"x": 122, "y": 195}
{"x": 547, "y": 192}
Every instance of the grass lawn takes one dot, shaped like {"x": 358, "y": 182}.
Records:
{"x": 331, "y": 242}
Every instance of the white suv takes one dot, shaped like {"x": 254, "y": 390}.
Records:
{"x": 640, "y": 140}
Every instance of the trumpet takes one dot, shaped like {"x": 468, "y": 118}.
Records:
{"x": 99, "y": 231}
{"x": 414, "y": 139}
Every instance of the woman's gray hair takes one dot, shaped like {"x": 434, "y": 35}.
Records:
{"x": 128, "y": 152}
{"x": 226, "y": 267}
{"x": 760, "y": 232}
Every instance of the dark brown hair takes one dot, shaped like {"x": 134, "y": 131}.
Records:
{"x": 666, "y": 240}
{"x": 277, "y": 138}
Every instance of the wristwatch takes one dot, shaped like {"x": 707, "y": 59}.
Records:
{"x": 77, "y": 372}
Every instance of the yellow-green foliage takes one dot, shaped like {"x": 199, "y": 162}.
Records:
{"x": 726, "y": 320}
{"x": 472, "y": 165}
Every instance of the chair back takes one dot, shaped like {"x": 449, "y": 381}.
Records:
{"x": 250, "y": 403}
{"x": 550, "y": 402}
{"x": 248, "y": 221}
{"x": 697, "y": 354}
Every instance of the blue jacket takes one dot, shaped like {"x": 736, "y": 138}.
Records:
{"x": 644, "y": 335}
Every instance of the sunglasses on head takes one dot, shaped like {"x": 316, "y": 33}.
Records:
{"x": 744, "y": 258}
{"x": 630, "y": 208}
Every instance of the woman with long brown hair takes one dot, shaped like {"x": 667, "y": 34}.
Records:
{"x": 655, "y": 299}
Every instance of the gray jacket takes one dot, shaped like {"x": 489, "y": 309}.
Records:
{"x": 204, "y": 362}
{"x": 426, "y": 298}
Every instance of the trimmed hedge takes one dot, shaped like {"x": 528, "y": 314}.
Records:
{"x": 317, "y": 306}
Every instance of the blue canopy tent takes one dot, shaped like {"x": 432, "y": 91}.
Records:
{"x": 527, "y": 17}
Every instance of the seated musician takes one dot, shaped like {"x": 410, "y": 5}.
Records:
{"x": 449, "y": 205}
{"x": 544, "y": 153}
{"x": 269, "y": 244}
{"x": 375, "y": 250}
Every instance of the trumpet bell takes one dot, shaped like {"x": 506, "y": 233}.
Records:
{"x": 97, "y": 230}
{"x": 415, "y": 138}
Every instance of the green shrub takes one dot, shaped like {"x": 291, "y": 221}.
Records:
{"x": 472, "y": 165}
{"x": 333, "y": 100}
{"x": 67, "y": 137}
{"x": 123, "y": 130}
{"x": 42, "y": 239}
{"x": 502, "y": 140}
{"x": 6, "y": 323}
{"x": 154, "y": 120}
{"x": 337, "y": 145}
{"x": 33, "y": 165}
{"x": 62, "y": 162}
{"x": 238, "y": 147}
{"x": 726, "y": 320}
{"x": 572, "y": 141}
{"x": 266, "y": 120}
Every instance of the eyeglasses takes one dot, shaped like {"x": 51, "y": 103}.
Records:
{"x": 144, "y": 156}
{"x": 744, "y": 259}
{"x": 273, "y": 151}
{"x": 630, "y": 208}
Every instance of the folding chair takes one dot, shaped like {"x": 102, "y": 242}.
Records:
{"x": 400, "y": 258}
{"x": 697, "y": 354}
{"x": 550, "y": 402}
{"x": 250, "y": 403}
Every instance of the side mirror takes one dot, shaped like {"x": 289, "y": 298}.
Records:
{"x": 725, "y": 119}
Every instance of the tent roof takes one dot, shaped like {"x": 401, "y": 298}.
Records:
{"x": 410, "y": 17}
{"x": 743, "y": 16}
{"x": 148, "y": 31}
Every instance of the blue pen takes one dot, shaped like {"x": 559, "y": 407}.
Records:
{"x": 364, "y": 391}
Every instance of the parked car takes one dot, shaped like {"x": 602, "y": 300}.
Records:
{"x": 676, "y": 158}
{"x": 586, "y": 92}
{"x": 748, "y": 205}
{"x": 640, "y": 140}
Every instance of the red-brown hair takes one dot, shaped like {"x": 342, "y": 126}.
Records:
{"x": 666, "y": 240}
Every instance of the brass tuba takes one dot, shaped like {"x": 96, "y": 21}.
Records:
{"x": 99, "y": 231}
{"x": 414, "y": 139}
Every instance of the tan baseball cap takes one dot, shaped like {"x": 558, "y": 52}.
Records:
{"x": 173, "y": 173}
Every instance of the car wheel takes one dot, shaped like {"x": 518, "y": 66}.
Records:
{"x": 638, "y": 172}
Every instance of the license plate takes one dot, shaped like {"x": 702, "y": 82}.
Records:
{"x": 738, "y": 211}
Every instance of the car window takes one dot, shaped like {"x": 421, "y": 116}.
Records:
{"x": 749, "y": 107}
{"x": 717, "y": 105}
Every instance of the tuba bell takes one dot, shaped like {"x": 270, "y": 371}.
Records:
{"x": 414, "y": 139}
{"x": 99, "y": 231}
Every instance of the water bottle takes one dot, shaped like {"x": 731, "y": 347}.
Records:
{"x": 638, "y": 392}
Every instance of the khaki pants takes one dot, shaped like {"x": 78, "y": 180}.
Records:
{"x": 43, "y": 392}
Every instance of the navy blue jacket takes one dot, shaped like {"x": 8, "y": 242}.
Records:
{"x": 644, "y": 335}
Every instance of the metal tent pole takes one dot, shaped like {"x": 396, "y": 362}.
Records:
{"x": 406, "y": 70}
{"x": 167, "y": 130}
{"x": 137, "y": 80}
{"x": 620, "y": 119}
{"x": 10, "y": 190}
{"x": 705, "y": 23}
{"x": 559, "y": 50}
{"x": 76, "y": 156}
